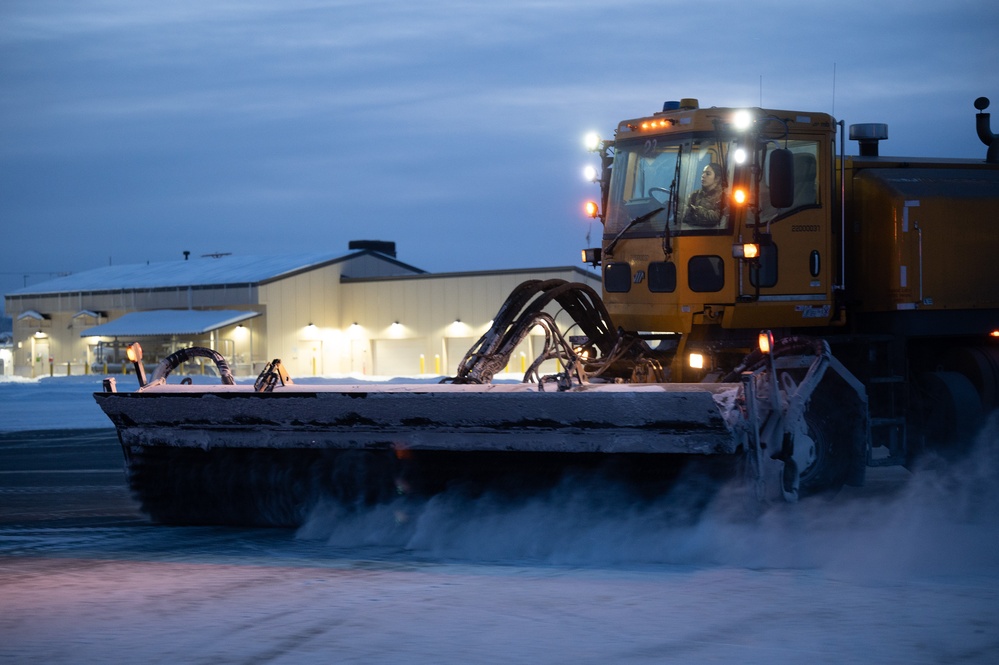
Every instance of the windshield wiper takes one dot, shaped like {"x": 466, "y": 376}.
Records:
{"x": 672, "y": 204}
{"x": 609, "y": 250}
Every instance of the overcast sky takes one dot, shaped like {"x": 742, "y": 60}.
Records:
{"x": 132, "y": 131}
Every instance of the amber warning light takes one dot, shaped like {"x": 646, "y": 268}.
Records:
{"x": 766, "y": 341}
{"x": 748, "y": 250}
{"x": 134, "y": 354}
{"x": 592, "y": 209}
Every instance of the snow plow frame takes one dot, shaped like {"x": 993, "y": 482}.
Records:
{"x": 761, "y": 418}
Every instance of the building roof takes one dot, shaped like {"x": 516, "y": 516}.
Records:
{"x": 218, "y": 271}
{"x": 581, "y": 272}
{"x": 161, "y": 322}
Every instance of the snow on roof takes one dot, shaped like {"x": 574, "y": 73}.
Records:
{"x": 249, "y": 269}
{"x": 168, "y": 322}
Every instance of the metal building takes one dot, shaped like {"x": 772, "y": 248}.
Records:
{"x": 364, "y": 312}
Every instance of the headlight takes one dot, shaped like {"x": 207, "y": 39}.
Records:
{"x": 742, "y": 120}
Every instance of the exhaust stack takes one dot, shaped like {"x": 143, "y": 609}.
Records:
{"x": 983, "y": 125}
{"x": 868, "y": 134}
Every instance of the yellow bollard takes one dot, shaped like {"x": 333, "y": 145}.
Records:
{"x": 423, "y": 364}
{"x": 69, "y": 369}
{"x": 437, "y": 364}
{"x": 51, "y": 368}
{"x": 313, "y": 366}
{"x": 523, "y": 363}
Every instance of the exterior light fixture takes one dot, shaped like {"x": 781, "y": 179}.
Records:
{"x": 766, "y": 341}
{"x": 592, "y": 141}
{"x": 134, "y": 354}
{"x": 592, "y": 255}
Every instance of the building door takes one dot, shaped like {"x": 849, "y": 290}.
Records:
{"x": 360, "y": 362}
{"x": 39, "y": 356}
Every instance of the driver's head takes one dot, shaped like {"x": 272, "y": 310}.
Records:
{"x": 711, "y": 176}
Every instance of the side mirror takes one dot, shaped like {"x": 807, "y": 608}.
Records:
{"x": 781, "y": 178}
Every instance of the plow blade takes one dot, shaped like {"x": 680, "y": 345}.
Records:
{"x": 228, "y": 454}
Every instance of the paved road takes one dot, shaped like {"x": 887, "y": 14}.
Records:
{"x": 879, "y": 575}
{"x": 57, "y": 478}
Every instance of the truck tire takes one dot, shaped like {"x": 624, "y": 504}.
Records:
{"x": 836, "y": 432}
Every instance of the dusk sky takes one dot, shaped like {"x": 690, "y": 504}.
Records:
{"x": 133, "y": 131}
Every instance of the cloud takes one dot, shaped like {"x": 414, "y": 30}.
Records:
{"x": 114, "y": 110}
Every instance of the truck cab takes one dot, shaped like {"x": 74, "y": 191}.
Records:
{"x": 763, "y": 256}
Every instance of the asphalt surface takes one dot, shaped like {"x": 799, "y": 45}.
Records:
{"x": 58, "y": 478}
{"x": 880, "y": 574}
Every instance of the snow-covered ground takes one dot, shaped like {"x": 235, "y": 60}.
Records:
{"x": 905, "y": 570}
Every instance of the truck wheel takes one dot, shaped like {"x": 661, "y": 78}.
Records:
{"x": 835, "y": 438}
{"x": 950, "y": 410}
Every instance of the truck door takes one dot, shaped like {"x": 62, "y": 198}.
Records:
{"x": 795, "y": 268}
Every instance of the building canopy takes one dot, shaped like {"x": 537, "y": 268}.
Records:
{"x": 163, "y": 322}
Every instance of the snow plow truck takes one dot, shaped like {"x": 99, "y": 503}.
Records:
{"x": 768, "y": 301}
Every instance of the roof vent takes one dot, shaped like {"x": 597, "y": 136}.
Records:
{"x": 386, "y": 247}
{"x": 868, "y": 134}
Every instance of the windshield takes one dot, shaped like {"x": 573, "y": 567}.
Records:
{"x": 685, "y": 181}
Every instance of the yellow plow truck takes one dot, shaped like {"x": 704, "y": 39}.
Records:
{"x": 769, "y": 302}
